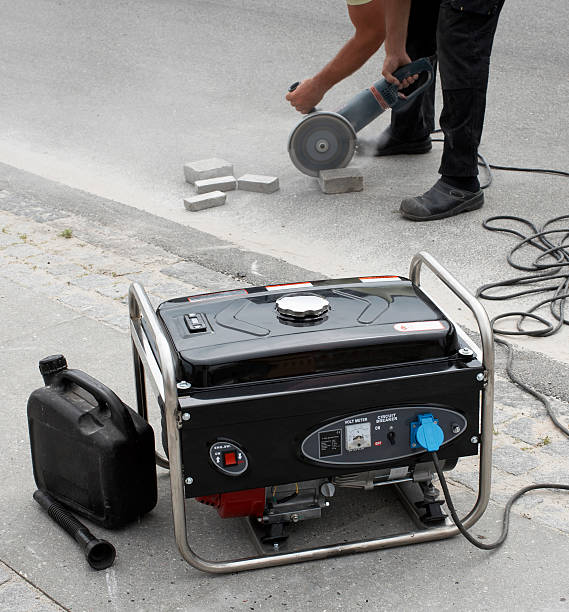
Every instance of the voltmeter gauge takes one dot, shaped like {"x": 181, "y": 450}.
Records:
{"x": 358, "y": 436}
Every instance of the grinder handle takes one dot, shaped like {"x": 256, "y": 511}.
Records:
{"x": 415, "y": 67}
{"x": 293, "y": 87}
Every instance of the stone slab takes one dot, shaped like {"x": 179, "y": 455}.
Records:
{"x": 514, "y": 461}
{"x": 341, "y": 180}
{"x": 206, "y": 169}
{"x": 222, "y": 183}
{"x": 523, "y": 429}
{"x": 258, "y": 183}
{"x": 205, "y": 200}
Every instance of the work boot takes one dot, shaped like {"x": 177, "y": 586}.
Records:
{"x": 388, "y": 144}
{"x": 441, "y": 201}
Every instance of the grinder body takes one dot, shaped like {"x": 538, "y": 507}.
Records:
{"x": 325, "y": 140}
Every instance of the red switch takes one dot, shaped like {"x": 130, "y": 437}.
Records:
{"x": 229, "y": 458}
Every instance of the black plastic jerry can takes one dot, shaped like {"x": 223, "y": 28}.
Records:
{"x": 90, "y": 451}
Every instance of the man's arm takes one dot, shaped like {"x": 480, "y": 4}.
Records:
{"x": 369, "y": 22}
{"x": 396, "y": 21}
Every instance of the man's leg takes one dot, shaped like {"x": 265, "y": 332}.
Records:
{"x": 465, "y": 40}
{"x": 465, "y": 36}
{"x": 411, "y": 127}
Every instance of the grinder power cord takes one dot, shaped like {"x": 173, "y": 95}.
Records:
{"x": 549, "y": 274}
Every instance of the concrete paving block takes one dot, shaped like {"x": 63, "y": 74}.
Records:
{"x": 503, "y": 413}
{"x": 560, "y": 447}
{"x": 341, "y": 180}
{"x": 523, "y": 429}
{"x": 514, "y": 461}
{"x": 222, "y": 183}
{"x": 205, "y": 200}
{"x": 259, "y": 183}
{"x": 207, "y": 169}
{"x": 7, "y": 239}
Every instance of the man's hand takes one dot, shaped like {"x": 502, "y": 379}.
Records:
{"x": 396, "y": 20}
{"x": 390, "y": 65}
{"x": 306, "y": 96}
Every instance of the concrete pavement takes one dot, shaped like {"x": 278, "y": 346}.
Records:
{"x": 66, "y": 294}
{"x": 17, "y": 593}
{"x": 113, "y": 97}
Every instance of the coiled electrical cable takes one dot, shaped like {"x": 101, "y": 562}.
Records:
{"x": 549, "y": 274}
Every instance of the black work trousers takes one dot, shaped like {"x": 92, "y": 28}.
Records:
{"x": 459, "y": 34}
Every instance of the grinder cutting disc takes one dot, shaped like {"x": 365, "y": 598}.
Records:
{"x": 322, "y": 141}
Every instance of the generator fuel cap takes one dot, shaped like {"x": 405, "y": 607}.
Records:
{"x": 301, "y": 307}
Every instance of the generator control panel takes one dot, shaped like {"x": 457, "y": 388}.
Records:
{"x": 383, "y": 435}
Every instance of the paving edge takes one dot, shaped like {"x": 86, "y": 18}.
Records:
{"x": 180, "y": 240}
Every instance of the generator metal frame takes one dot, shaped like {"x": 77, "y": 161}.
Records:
{"x": 162, "y": 376}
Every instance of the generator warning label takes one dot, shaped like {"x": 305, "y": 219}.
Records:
{"x": 414, "y": 326}
{"x": 217, "y": 295}
{"x": 373, "y": 279}
{"x": 288, "y": 286}
{"x": 330, "y": 443}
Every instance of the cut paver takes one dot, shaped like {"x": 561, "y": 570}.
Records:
{"x": 341, "y": 180}
{"x": 222, "y": 183}
{"x": 258, "y": 183}
{"x": 205, "y": 200}
{"x": 207, "y": 169}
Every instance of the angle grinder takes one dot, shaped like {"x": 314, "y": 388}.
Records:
{"x": 324, "y": 140}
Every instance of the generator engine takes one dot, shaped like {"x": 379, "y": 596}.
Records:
{"x": 288, "y": 392}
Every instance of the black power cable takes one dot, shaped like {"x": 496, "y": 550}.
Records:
{"x": 489, "y": 167}
{"x": 549, "y": 273}
{"x": 506, "y": 517}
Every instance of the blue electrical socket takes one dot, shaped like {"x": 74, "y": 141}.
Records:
{"x": 426, "y": 433}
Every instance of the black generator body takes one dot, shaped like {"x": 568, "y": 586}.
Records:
{"x": 287, "y": 391}
{"x": 275, "y": 397}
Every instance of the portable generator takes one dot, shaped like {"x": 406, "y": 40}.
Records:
{"x": 274, "y": 397}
